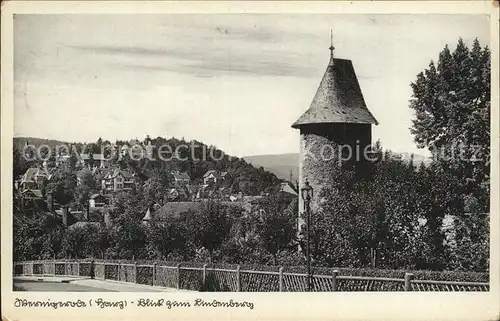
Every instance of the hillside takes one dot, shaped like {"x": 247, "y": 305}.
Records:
{"x": 243, "y": 177}
{"x": 282, "y": 164}
{"x": 19, "y": 142}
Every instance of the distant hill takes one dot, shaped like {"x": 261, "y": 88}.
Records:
{"x": 282, "y": 164}
{"x": 19, "y": 142}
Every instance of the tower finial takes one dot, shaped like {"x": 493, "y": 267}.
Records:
{"x": 331, "y": 43}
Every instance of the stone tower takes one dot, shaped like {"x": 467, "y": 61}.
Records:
{"x": 337, "y": 120}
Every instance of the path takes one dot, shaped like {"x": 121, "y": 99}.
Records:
{"x": 62, "y": 284}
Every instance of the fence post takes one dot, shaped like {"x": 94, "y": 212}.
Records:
{"x": 335, "y": 273}
{"x": 178, "y": 276}
{"x": 408, "y": 278}
{"x": 281, "y": 279}
{"x": 54, "y": 267}
{"x": 154, "y": 273}
{"x": 204, "y": 274}
{"x": 78, "y": 268}
{"x": 118, "y": 270}
{"x": 238, "y": 280}
{"x": 32, "y": 268}
{"x": 135, "y": 272}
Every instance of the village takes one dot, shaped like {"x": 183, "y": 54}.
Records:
{"x": 182, "y": 192}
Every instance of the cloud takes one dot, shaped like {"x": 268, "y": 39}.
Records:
{"x": 209, "y": 62}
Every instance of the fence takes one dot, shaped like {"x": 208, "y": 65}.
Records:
{"x": 227, "y": 280}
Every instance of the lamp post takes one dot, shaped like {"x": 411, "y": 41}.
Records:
{"x": 307, "y": 194}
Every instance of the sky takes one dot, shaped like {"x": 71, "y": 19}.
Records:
{"x": 236, "y": 81}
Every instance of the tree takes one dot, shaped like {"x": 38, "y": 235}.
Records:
{"x": 73, "y": 160}
{"x": 86, "y": 188}
{"x": 62, "y": 186}
{"x": 208, "y": 228}
{"x": 51, "y": 162}
{"x": 20, "y": 164}
{"x": 452, "y": 115}
{"x": 154, "y": 191}
{"x": 166, "y": 238}
{"x": 276, "y": 226}
{"x": 470, "y": 242}
{"x": 128, "y": 205}
{"x": 36, "y": 237}
{"x": 129, "y": 238}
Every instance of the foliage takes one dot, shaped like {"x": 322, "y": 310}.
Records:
{"x": 62, "y": 186}
{"x": 210, "y": 227}
{"x": 128, "y": 239}
{"x": 86, "y": 187}
{"x": 37, "y": 236}
{"x": 166, "y": 238}
{"x": 275, "y": 227}
{"x": 451, "y": 100}
{"x": 155, "y": 189}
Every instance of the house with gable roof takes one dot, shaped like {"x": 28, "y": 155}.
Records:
{"x": 181, "y": 179}
{"x": 214, "y": 176}
{"x": 118, "y": 180}
{"x": 33, "y": 178}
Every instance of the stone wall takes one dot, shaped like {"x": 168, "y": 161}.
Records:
{"x": 326, "y": 149}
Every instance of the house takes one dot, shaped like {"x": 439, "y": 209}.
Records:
{"x": 181, "y": 179}
{"x": 118, "y": 180}
{"x": 205, "y": 191}
{"x": 124, "y": 149}
{"x": 173, "y": 194}
{"x": 34, "y": 178}
{"x": 224, "y": 193}
{"x": 287, "y": 187}
{"x": 177, "y": 194}
{"x": 192, "y": 191}
{"x": 62, "y": 160}
{"x": 92, "y": 160}
{"x": 32, "y": 198}
{"x": 97, "y": 201}
{"x": 83, "y": 225}
{"x": 32, "y": 194}
{"x": 214, "y": 176}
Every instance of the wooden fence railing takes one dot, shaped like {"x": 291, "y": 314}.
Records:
{"x": 226, "y": 280}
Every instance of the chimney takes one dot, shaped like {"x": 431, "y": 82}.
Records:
{"x": 65, "y": 215}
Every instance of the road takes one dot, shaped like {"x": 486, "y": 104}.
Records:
{"x": 56, "y": 287}
{"x": 71, "y": 284}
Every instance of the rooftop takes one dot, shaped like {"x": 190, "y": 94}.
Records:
{"x": 338, "y": 99}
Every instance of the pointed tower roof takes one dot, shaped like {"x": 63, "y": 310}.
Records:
{"x": 339, "y": 98}
{"x": 148, "y": 215}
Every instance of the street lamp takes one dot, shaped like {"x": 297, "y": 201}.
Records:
{"x": 307, "y": 195}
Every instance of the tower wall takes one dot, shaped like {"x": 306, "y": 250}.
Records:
{"x": 324, "y": 150}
